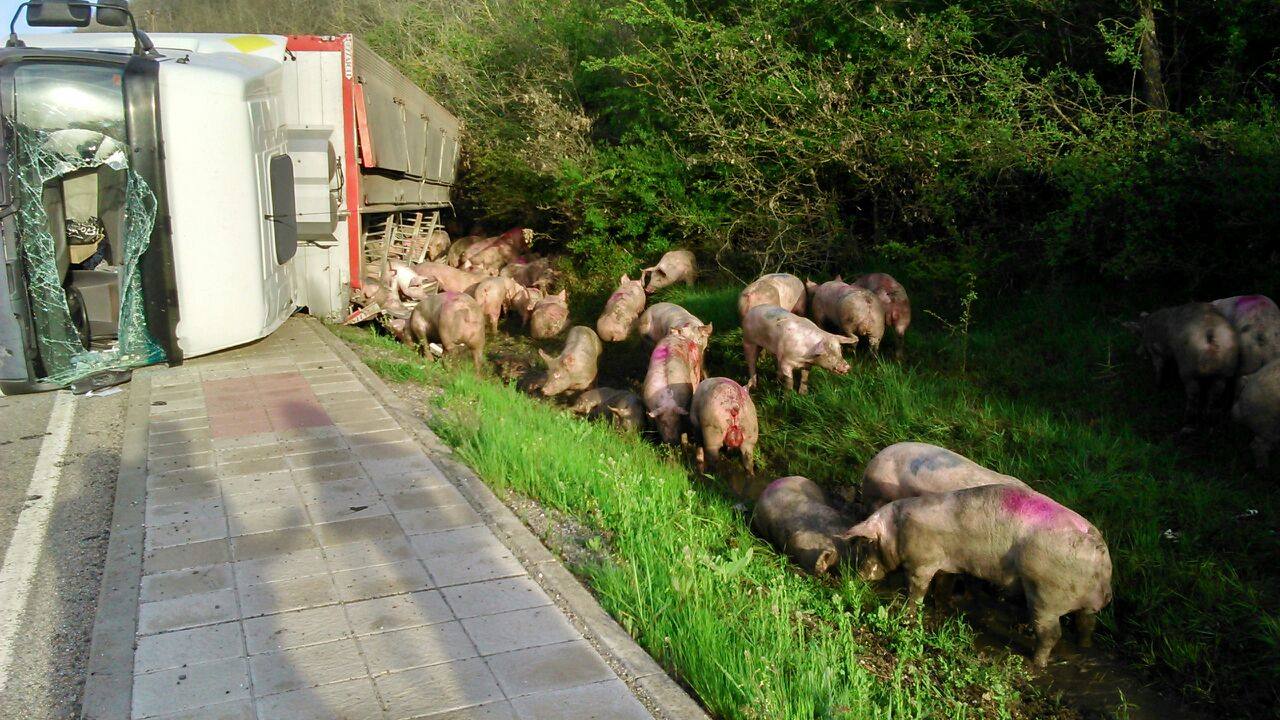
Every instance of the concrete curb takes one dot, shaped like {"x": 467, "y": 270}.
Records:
{"x": 108, "y": 687}
{"x": 640, "y": 670}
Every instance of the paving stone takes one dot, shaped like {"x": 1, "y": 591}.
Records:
{"x": 320, "y": 458}
{"x": 548, "y": 668}
{"x": 190, "y": 492}
{"x": 286, "y": 495}
{"x": 313, "y": 444}
{"x": 295, "y": 629}
{"x": 285, "y": 435}
{"x": 426, "y": 498}
{"x": 327, "y": 473}
{"x": 306, "y": 667}
{"x": 365, "y": 553}
{"x": 494, "y": 596}
{"x": 520, "y": 629}
{"x": 380, "y": 580}
{"x": 438, "y": 688}
{"x": 406, "y": 450}
{"x": 267, "y": 519}
{"x": 182, "y": 689}
{"x": 285, "y": 595}
{"x": 398, "y": 612}
{"x": 339, "y": 510}
{"x": 235, "y": 710}
{"x": 448, "y": 517}
{"x": 226, "y": 456}
{"x": 156, "y": 427}
{"x": 492, "y": 711}
{"x": 188, "y": 446}
{"x": 349, "y": 700}
{"x": 389, "y": 435}
{"x": 369, "y": 424}
{"x": 287, "y": 566}
{"x": 187, "y": 611}
{"x": 184, "y": 532}
{"x": 345, "y": 531}
{"x": 247, "y": 440}
{"x": 276, "y": 542}
{"x": 260, "y": 485}
{"x": 353, "y": 488}
{"x": 177, "y": 478}
{"x": 177, "y": 437}
{"x": 191, "y": 555}
{"x": 177, "y": 512}
{"x": 189, "y": 581}
{"x": 609, "y": 700}
{"x": 416, "y": 647}
{"x": 187, "y": 647}
{"x": 252, "y": 467}
{"x": 449, "y": 570}
{"x": 178, "y": 463}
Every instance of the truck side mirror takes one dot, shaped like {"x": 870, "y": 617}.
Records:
{"x": 112, "y": 13}
{"x": 58, "y": 13}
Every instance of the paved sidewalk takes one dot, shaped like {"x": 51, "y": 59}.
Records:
{"x": 304, "y": 558}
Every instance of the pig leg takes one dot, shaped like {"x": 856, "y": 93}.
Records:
{"x": 786, "y": 374}
{"x": 477, "y": 355}
{"x": 873, "y": 342}
{"x": 1048, "y": 627}
{"x": 748, "y": 458}
{"x": 701, "y": 457}
{"x": 752, "y": 353}
{"x": 713, "y": 447}
{"x": 1191, "y": 416}
{"x": 918, "y": 586}
{"x": 804, "y": 380}
{"x": 1086, "y": 621}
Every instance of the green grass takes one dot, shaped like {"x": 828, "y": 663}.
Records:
{"x": 1052, "y": 394}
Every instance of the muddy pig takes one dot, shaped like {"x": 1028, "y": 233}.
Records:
{"x": 1256, "y": 320}
{"x": 525, "y": 301}
{"x": 1200, "y": 344}
{"x": 1257, "y": 407}
{"x": 850, "y": 309}
{"x": 621, "y": 310}
{"x": 495, "y": 295}
{"x": 575, "y": 369}
{"x": 1011, "y": 536}
{"x": 676, "y": 266}
{"x": 548, "y": 316}
{"x": 779, "y": 289}
{"x": 490, "y": 254}
{"x": 535, "y": 272}
{"x": 659, "y": 320}
{"x": 675, "y": 369}
{"x": 457, "y": 248}
{"x": 452, "y": 318}
{"x": 897, "y": 306}
{"x": 449, "y": 279}
{"x": 623, "y": 408}
{"x": 795, "y": 342}
{"x": 908, "y": 469}
{"x": 793, "y": 514}
{"x": 437, "y": 244}
{"x": 724, "y": 417}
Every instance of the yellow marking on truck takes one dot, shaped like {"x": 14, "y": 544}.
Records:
{"x": 250, "y": 43}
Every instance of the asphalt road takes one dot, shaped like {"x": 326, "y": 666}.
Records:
{"x": 45, "y": 673}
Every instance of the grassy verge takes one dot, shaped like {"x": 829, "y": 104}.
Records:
{"x": 753, "y": 638}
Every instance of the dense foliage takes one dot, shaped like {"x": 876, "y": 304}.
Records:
{"x": 1125, "y": 140}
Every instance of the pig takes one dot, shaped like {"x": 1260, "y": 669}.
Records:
{"x": 531, "y": 272}
{"x": 1256, "y": 320}
{"x": 897, "y": 306}
{"x": 779, "y": 289}
{"x": 676, "y": 266}
{"x": 793, "y": 514}
{"x": 548, "y": 316}
{"x": 908, "y": 469}
{"x": 453, "y": 258}
{"x": 1200, "y": 343}
{"x": 525, "y": 301}
{"x": 1257, "y": 407}
{"x": 437, "y": 244}
{"x": 490, "y": 254}
{"x": 621, "y": 310}
{"x": 495, "y": 295}
{"x": 623, "y": 408}
{"x": 794, "y": 341}
{"x": 724, "y": 416}
{"x": 454, "y": 319}
{"x": 385, "y": 295}
{"x": 850, "y": 309}
{"x": 449, "y": 279}
{"x": 1011, "y": 536}
{"x": 659, "y": 320}
{"x": 675, "y": 369}
{"x": 575, "y": 368}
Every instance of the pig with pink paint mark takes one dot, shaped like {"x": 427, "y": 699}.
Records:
{"x": 448, "y": 278}
{"x": 897, "y": 306}
{"x": 676, "y": 266}
{"x": 792, "y": 513}
{"x": 795, "y": 342}
{"x": 621, "y": 310}
{"x": 453, "y": 319}
{"x": 909, "y": 469}
{"x": 531, "y": 272}
{"x": 548, "y": 316}
{"x": 1257, "y": 407}
{"x": 489, "y": 255}
{"x": 1200, "y": 344}
{"x": 659, "y": 320}
{"x": 1256, "y": 320}
{"x": 1011, "y": 536}
{"x": 781, "y": 289}
{"x": 850, "y": 309}
{"x": 723, "y": 416}
{"x": 459, "y": 247}
{"x": 576, "y": 367}
{"x": 675, "y": 369}
{"x": 495, "y": 296}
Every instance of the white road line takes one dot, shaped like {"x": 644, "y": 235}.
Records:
{"x": 28, "y": 539}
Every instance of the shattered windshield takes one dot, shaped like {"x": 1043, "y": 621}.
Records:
{"x": 85, "y": 219}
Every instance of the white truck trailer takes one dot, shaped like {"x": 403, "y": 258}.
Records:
{"x": 169, "y": 196}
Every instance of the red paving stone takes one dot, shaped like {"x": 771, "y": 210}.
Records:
{"x": 262, "y": 403}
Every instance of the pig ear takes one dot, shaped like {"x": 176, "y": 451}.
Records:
{"x": 818, "y": 348}
{"x": 826, "y": 560}
{"x": 864, "y": 529}
{"x": 548, "y": 359}
{"x": 624, "y": 280}
{"x": 705, "y": 330}
{"x": 840, "y": 278}
{"x": 843, "y": 340}
{"x": 564, "y": 295}
{"x": 809, "y": 284}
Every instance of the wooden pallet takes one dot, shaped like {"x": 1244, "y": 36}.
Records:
{"x": 398, "y": 236}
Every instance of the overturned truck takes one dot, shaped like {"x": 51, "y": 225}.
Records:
{"x": 168, "y": 196}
